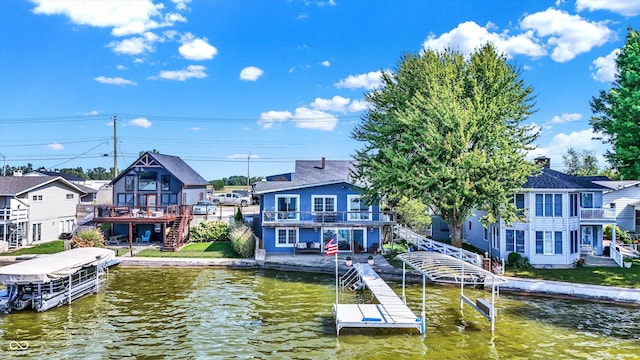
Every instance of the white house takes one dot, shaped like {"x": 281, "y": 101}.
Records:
{"x": 564, "y": 218}
{"x": 624, "y": 198}
{"x": 36, "y": 208}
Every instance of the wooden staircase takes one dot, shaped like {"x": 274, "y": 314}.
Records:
{"x": 176, "y": 237}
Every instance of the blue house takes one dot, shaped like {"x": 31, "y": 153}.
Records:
{"x": 303, "y": 210}
{"x": 152, "y": 201}
{"x": 564, "y": 219}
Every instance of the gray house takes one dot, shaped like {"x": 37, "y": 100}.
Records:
{"x": 152, "y": 201}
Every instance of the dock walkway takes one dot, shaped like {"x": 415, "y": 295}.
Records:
{"x": 391, "y": 312}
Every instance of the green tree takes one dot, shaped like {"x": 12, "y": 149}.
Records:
{"x": 218, "y": 185}
{"x": 617, "y": 111}
{"x": 77, "y": 172}
{"x": 413, "y": 213}
{"x": 446, "y": 130}
{"x": 580, "y": 164}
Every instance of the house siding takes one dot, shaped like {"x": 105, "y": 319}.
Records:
{"x": 625, "y": 213}
{"x": 53, "y": 210}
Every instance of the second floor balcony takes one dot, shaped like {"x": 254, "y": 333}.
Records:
{"x": 14, "y": 215}
{"x": 597, "y": 215}
{"x": 327, "y": 218}
{"x": 138, "y": 214}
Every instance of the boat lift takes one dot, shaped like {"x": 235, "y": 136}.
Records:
{"x": 441, "y": 268}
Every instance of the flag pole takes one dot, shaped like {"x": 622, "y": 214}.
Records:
{"x": 336, "y": 282}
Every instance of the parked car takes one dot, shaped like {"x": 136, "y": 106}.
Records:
{"x": 205, "y": 207}
{"x": 231, "y": 199}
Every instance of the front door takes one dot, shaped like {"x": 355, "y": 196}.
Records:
{"x": 359, "y": 240}
{"x": 587, "y": 237}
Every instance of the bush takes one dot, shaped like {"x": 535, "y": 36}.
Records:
{"x": 238, "y": 217}
{"x": 513, "y": 258}
{"x": 88, "y": 238}
{"x": 242, "y": 241}
{"x": 211, "y": 231}
{"x": 522, "y": 263}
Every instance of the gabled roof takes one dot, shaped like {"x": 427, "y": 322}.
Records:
{"x": 311, "y": 173}
{"x": 17, "y": 185}
{"x": 551, "y": 179}
{"x": 65, "y": 176}
{"x": 617, "y": 185}
{"x": 173, "y": 164}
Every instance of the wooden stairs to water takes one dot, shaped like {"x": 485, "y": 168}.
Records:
{"x": 175, "y": 238}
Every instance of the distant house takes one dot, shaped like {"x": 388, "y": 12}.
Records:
{"x": 564, "y": 219}
{"x": 36, "y": 208}
{"x": 303, "y": 210}
{"x": 83, "y": 184}
{"x": 624, "y": 198}
{"x": 154, "y": 195}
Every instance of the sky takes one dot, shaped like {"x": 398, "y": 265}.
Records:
{"x": 248, "y": 87}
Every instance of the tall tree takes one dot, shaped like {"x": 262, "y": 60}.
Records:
{"x": 617, "y": 111}
{"x": 580, "y": 164}
{"x": 446, "y": 130}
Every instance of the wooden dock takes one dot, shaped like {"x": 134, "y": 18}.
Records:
{"x": 390, "y": 312}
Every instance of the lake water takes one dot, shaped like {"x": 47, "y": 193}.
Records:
{"x": 203, "y": 313}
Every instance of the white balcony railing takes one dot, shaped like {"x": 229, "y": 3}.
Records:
{"x": 327, "y": 216}
{"x": 8, "y": 214}
{"x": 597, "y": 214}
{"x": 426, "y": 244}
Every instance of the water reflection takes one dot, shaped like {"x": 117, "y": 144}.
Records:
{"x": 219, "y": 314}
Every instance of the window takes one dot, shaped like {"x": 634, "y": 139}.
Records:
{"x": 37, "y": 197}
{"x": 495, "y": 236}
{"x": 147, "y": 181}
{"x": 357, "y": 209}
{"x": 323, "y": 203}
{"x": 164, "y": 183}
{"x": 514, "y": 241}
{"x": 518, "y": 201}
{"x": 168, "y": 199}
{"x": 586, "y": 200}
{"x": 548, "y": 242}
{"x": 573, "y": 205}
{"x": 286, "y": 237}
{"x": 129, "y": 183}
{"x": 287, "y": 207}
{"x": 70, "y": 196}
{"x": 125, "y": 199}
{"x": 573, "y": 234}
{"x": 36, "y": 234}
{"x": 549, "y": 205}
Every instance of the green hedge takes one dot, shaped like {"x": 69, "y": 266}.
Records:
{"x": 211, "y": 231}
{"x": 242, "y": 241}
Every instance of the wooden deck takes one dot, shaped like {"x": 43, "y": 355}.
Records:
{"x": 391, "y": 312}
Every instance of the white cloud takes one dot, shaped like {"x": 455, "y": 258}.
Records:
{"x": 243, "y": 156}
{"x": 367, "y": 81}
{"x": 114, "y": 81}
{"x": 314, "y": 119}
{"x": 568, "y": 35}
{"x": 564, "y": 118}
{"x": 132, "y": 46}
{"x": 181, "y": 4}
{"x": 195, "y": 128}
{"x": 92, "y": 112}
{"x": 55, "y": 146}
{"x": 606, "y": 68}
{"x": 192, "y": 71}
{"x": 121, "y": 67}
{"x": 358, "y": 105}
{"x": 302, "y": 16}
{"x": 251, "y": 73}
{"x": 622, "y": 7}
{"x": 267, "y": 119}
{"x": 326, "y": 63}
{"x": 337, "y": 103}
{"x": 140, "y": 122}
{"x": 138, "y": 61}
{"x": 124, "y": 17}
{"x": 468, "y": 36}
{"x": 196, "y": 49}
{"x": 578, "y": 140}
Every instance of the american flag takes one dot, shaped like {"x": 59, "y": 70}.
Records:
{"x": 332, "y": 246}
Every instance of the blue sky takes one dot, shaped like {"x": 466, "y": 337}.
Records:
{"x": 213, "y": 81}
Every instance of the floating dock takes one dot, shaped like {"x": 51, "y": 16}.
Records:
{"x": 390, "y": 312}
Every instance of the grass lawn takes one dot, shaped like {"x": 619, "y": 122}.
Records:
{"x": 218, "y": 249}
{"x": 46, "y": 248}
{"x": 608, "y": 276}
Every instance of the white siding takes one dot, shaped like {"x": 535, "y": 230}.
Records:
{"x": 51, "y": 210}
{"x": 625, "y": 215}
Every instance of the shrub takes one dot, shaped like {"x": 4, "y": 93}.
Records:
{"x": 211, "y": 231}
{"x": 88, "y": 238}
{"x": 579, "y": 262}
{"x": 238, "y": 217}
{"x": 522, "y": 263}
{"x": 242, "y": 241}
{"x": 513, "y": 258}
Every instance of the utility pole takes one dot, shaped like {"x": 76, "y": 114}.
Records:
{"x": 248, "y": 178}
{"x": 115, "y": 148}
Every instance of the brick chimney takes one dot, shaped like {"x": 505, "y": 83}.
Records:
{"x": 545, "y": 161}
{"x": 323, "y": 163}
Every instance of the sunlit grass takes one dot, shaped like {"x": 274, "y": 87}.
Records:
{"x": 45, "y": 248}
{"x": 217, "y": 249}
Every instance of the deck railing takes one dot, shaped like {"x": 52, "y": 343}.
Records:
{"x": 426, "y": 244}
{"x": 8, "y": 214}
{"x": 597, "y": 214}
{"x": 328, "y": 216}
{"x": 134, "y": 212}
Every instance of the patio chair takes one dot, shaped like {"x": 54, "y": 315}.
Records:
{"x": 145, "y": 238}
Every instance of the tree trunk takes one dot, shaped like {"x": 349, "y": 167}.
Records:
{"x": 455, "y": 232}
